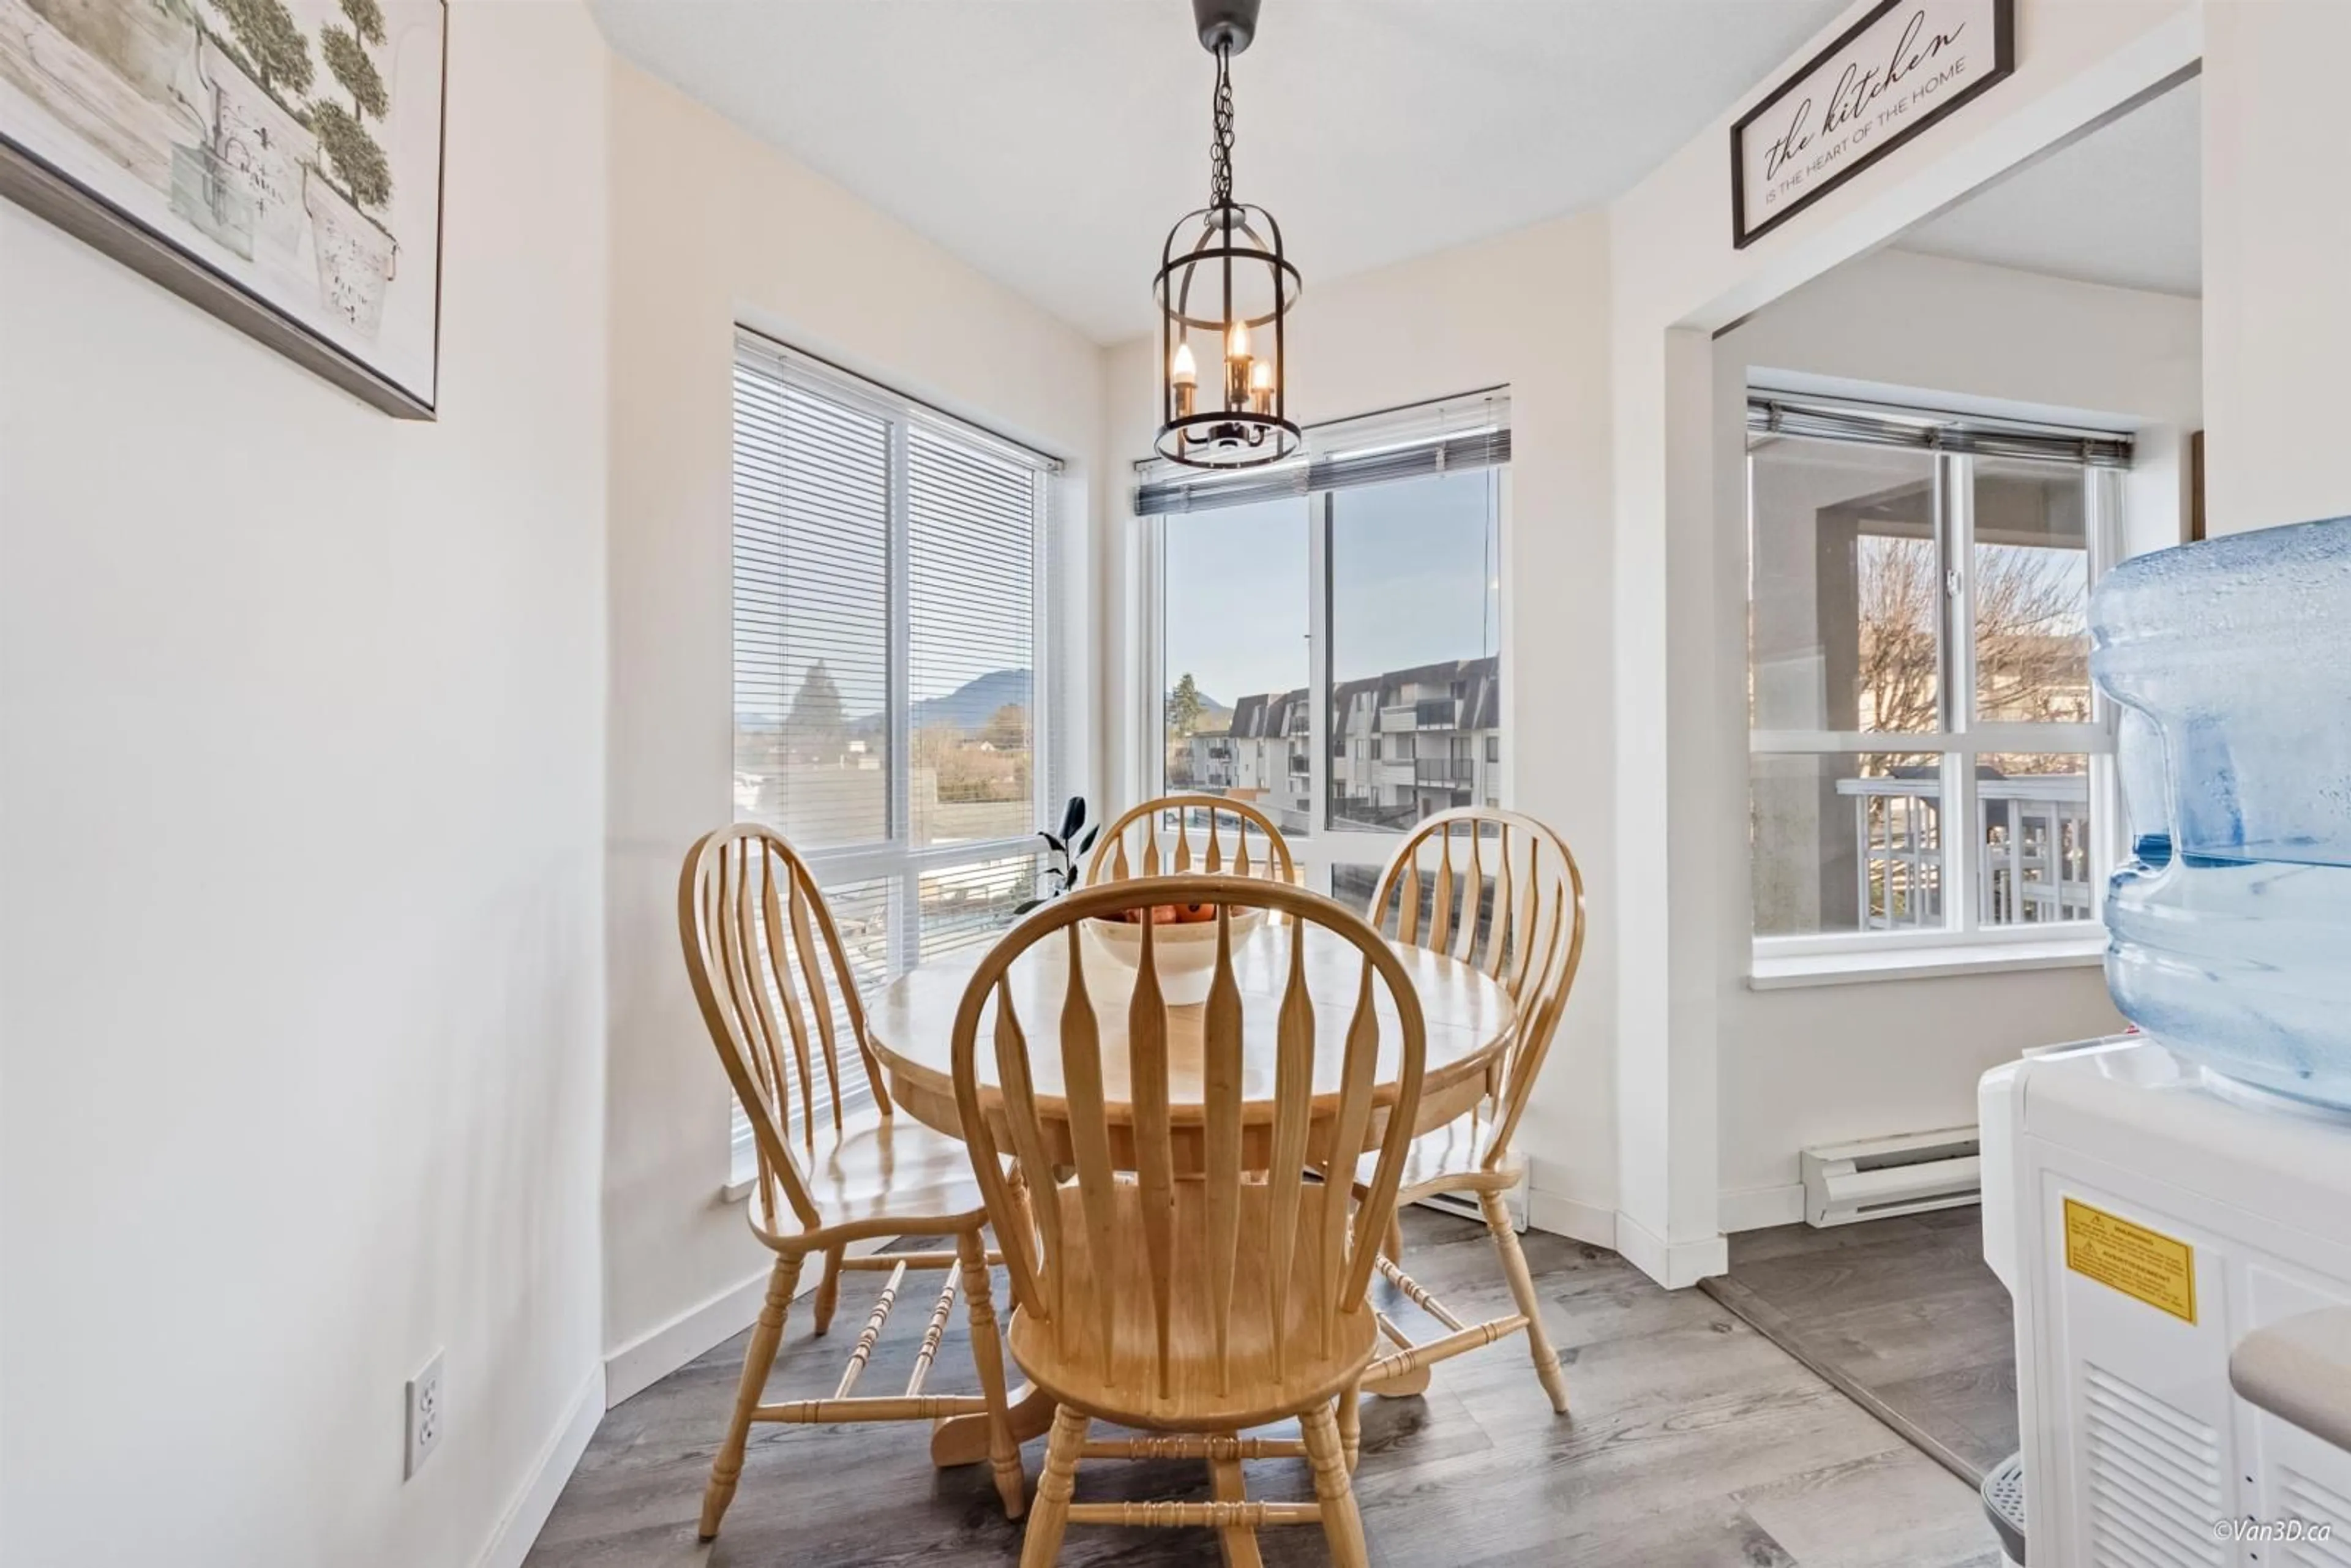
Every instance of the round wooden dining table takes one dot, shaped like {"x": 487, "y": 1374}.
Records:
{"x": 1468, "y": 1017}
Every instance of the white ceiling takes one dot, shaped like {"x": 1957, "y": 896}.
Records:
{"x": 2124, "y": 205}
{"x": 1051, "y": 144}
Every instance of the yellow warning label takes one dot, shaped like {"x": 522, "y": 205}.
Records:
{"x": 2141, "y": 1263}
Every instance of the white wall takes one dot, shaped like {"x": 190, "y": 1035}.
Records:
{"x": 301, "y": 977}
{"x": 1826, "y": 1063}
{"x": 1528, "y": 309}
{"x": 1677, "y": 279}
{"x": 2276, "y": 231}
{"x": 709, "y": 227}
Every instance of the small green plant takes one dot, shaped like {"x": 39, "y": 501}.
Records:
{"x": 359, "y": 161}
{"x": 1062, "y": 851}
{"x": 269, "y": 47}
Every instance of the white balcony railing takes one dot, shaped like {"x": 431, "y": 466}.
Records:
{"x": 2032, "y": 850}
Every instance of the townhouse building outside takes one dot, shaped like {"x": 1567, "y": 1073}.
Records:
{"x": 1404, "y": 745}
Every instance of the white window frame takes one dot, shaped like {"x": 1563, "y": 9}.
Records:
{"x": 1324, "y": 846}
{"x": 895, "y": 857}
{"x": 1963, "y": 738}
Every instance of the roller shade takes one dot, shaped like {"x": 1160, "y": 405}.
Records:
{"x": 1472, "y": 430}
{"x": 1825, "y": 420}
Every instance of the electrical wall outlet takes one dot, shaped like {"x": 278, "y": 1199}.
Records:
{"x": 427, "y": 1413}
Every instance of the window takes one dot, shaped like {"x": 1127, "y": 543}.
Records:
{"x": 1329, "y": 634}
{"x": 889, "y": 580}
{"x": 1927, "y": 756}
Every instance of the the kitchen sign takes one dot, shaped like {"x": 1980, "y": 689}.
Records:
{"x": 1892, "y": 74}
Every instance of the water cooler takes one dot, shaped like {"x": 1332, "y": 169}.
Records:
{"x": 2156, "y": 1230}
{"x": 2171, "y": 1209}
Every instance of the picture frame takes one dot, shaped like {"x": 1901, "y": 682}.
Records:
{"x": 1904, "y": 67}
{"x": 278, "y": 163}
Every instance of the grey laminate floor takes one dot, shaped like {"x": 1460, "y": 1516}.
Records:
{"x": 1901, "y": 1313}
{"x": 1694, "y": 1442}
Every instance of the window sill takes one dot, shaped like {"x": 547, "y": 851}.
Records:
{"x": 1924, "y": 963}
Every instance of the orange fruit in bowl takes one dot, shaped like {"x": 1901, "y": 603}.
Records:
{"x": 1163, "y": 915}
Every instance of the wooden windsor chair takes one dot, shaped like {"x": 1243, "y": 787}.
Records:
{"x": 1222, "y": 1285}
{"x": 767, "y": 961}
{"x": 1515, "y": 909}
{"x": 1225, "y": 841}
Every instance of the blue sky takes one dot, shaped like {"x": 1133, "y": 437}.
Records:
{"x": 1413, "y": 570}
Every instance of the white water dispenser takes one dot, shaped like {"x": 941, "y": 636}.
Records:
{"x": 2171, "y": 1210}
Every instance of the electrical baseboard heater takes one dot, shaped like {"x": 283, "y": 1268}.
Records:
{"x": 1877, "y": 1178}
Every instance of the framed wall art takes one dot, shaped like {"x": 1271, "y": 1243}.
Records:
{"x": 1900, "y": 68}
{"x": 275, "y": 161}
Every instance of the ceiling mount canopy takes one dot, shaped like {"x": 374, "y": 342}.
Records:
{"x": 1224, "y": 279}
{"x": 1226, "y": 25}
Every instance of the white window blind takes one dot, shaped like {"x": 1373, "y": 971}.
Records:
{"x": 971, "y": 635}
{"x": 811, "y": 613}
{"x": 1452, "y": 435}
{"x": 1879, "y": 425}
{"x": 890, "y": 662}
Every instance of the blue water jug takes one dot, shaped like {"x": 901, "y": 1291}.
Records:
{"x": 2231, "y": 927}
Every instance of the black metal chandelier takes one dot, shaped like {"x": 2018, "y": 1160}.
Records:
{"x": 1223, "y": 277}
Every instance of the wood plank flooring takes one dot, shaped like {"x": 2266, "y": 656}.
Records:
{"x": 1902, "y": 1314}
{"x": 1694, "y": 1443}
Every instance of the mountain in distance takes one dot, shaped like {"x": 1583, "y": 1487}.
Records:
{"x": 967, "y": 707}
{"x": 974, "y": 702}
{"x": 971, "y": 705}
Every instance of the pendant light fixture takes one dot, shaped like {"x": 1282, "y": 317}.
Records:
{"x": 1225, "y": 292}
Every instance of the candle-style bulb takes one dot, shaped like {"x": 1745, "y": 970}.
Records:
{"x": 1236, "y": 345}
{"x": 1261, "y": 387}
{"x": 1182, "y": 371}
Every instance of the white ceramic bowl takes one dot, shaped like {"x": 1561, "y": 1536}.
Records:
{"x": 1183, "y": 955}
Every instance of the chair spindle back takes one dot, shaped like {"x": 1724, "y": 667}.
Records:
{"x": 767, "y": 964}
{"x": 1162, "y": 848}
{"x": 1513, "y": 907}
{"x": 1313, "y": 1274}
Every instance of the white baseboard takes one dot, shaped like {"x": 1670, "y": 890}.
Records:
{"x": 638, "y": 1365}
{"x": 1675, "y": 1265}
{"x": 647, "y": 1360}
{"x": 525, "y": 1517}
{"x": 1759, "y": 1206}
{"x": 1565, "y": 1215}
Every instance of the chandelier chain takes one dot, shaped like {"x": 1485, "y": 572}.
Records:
{"x": 1220, "y": 151}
